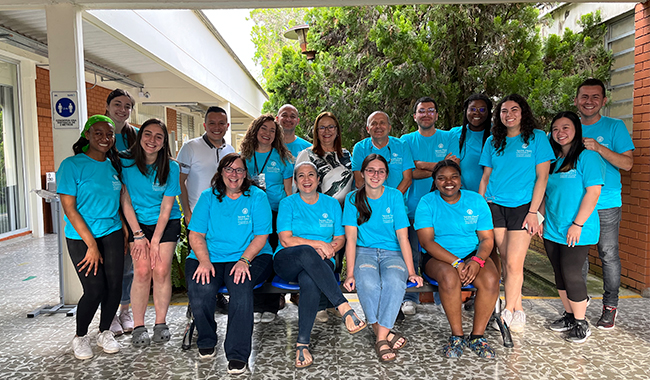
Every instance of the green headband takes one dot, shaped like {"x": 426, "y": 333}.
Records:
{"x": 92, "y": 121}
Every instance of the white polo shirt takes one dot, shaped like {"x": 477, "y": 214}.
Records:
{"x": 199, "y": 159}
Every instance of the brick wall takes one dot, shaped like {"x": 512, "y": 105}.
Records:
{"x": 171, "y": 120}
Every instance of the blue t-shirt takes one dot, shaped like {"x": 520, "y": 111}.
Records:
{"x": 120, "y": 140}
{"x": 388, "y": 216}
{"x": 427, "y": 149}
{"x": 147, "y": 195}
{"x": 275, "y": 172}
{"x": 564, "y": 193}
{"x": 396, "y": 153}
{"x": 297, "y": 146}
{"x": 230, "y": 225}
{"x": 471, "y": 171}
{"x": 513, "y": 170}
{"x": 97, "y": 188}
{"x": 454, "y": 225}
{"x": 320, "y": 221}
{"x": 612, "y": 134}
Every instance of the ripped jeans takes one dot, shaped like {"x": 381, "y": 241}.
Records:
{"x": 381, "y": 283}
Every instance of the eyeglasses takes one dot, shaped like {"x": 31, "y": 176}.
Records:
{"x": 230, "y": 170}
{"x": 480, "y": 109}
{"x": 422, "y": 111}
{"x": 328, "y": 127}
{"x": 372, "y": 172}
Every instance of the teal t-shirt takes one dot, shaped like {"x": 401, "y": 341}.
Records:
{"x": 471, "y": 171}
{"x": 513, "y": 170}
{"x": 297, "y": 146}
{"x": 320, "y": 221}
{"x": 455, "y": 225}
{"x": 230, "y": 225}
{"x": 564, "y": 193}
{"x": 388, "y": 216}
{"x": 120, "y": 141}
{"x": 396, "y": 153}
{"x": 147, "y": 195}
{"x": 275, "y": 172}
{"x": 427, "y": 149}
{"x": 612, "y": 134}
{"x": 97, "y": 188}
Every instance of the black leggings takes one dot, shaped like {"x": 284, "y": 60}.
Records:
{"x": 567, "y": 264}
{"x": 105, "y": 287}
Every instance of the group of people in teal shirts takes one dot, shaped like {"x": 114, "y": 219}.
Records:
{"x": 440, "y": 203}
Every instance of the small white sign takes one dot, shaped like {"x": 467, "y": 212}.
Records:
{"x": 64, "y": 109}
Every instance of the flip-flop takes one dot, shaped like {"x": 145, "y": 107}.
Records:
{"x": 381, "y": 353}
{"x": 396, "y": 337}
{"x": 357, "y": 322}
{"x": 301, "y": 357}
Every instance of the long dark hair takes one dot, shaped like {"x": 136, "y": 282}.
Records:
{"x": 137, "y": 154}
{"x": 485, "y": 125}
{"x": 576, "y": 145}
{"x": 112, "y": 154}
{"x": 442, "y": 164}
{"x": 128, "y": 130}
{"x": 364, "y": 212}
{"x": 217, "y": 184}
{"x": 317, "y": 146}
{"x": 249, "y": 144}
{"x": 528, "y": 123}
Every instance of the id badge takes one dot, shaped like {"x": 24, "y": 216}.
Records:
{"x": 260, "y": 179}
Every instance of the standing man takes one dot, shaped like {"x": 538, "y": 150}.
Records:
{"x": 428, "y": 146}
{"x": 610, "y": 138}
{"x": 396, "y": 153}
{"x": 199, "y": 159}
{"x": 288, "y": 120}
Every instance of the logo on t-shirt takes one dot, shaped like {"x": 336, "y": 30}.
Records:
{"x": 158, "y": 187}
{"x": 244, "y": 218}
{"x": 326, "y": 221}
{"x": 470, "y": 218}
{"x": 441, "y": 145}
{"x": 441, "y": 152}
{"x": 388, "y": 217}
{"x": 570, "y": 174}
{"x": 396, "y": 160}
{"x": 244, "y": 211}
{"x": 600, "y": 139}
{"x": 117, "y": 185}
{"x": 273, "y": 167}
{"x": 524, "y": 151}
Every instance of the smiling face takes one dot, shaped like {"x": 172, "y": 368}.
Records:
{"x": 426, "y": 115}
{"x": 374, "y": 174}
{"x": 153, "y": 139}
{"x": 589, "y": 101}
{"x": 378, "y": 126}
{"x": 563, "y": 132}
{"x": 234, "y": 180}
{"x": 119, "y": 109}
{"x": 327, "y": 132}
{"x": 266, "y": 134}
{"x": 288, "y": 118}
{"x": 448, "y": 182}
{"x": 306, "y": 179}
{"x": 216, "y": 126}
{"x": 477, "y": 112}
{"x": 511, "y": 114}
{"x": 101, "y": 137}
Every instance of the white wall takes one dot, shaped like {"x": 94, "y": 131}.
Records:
{"x": 563, "y": 20}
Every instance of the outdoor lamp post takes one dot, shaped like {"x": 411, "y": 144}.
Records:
{"x": 300, "y": 33}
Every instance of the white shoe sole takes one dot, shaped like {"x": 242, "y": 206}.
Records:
{"x": 578, "y": 341}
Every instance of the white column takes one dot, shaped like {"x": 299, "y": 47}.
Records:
{"x": 66, "y": 58}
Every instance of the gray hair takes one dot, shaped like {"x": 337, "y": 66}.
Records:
{"x": 303, "y": 163}
{"x": 375, "y": 113}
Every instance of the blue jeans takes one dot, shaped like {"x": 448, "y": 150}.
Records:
{"x": 314, "y": 275}
{"x": 610, "y": 222}
{"x": 380, "y": 277}
{"x": 202, "y": 297}
{"x": 415, "y": 250}
{"x": 127, "y": 279}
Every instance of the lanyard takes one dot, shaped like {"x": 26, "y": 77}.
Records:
{"x": 257, "y": 171}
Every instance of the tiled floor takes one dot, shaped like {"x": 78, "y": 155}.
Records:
{"x": 39, "y": 348}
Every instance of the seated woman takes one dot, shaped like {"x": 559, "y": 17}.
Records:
{"x": 310, "y": 232}
{"x": 455, "y": 230}
{"x": 378, "y": 253}
{"x": 228, "y": 234}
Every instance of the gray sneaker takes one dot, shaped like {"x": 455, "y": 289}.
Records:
{"x": 580, "y": 332}
{"x": 563, "y": 324}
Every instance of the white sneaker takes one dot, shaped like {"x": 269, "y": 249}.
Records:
{"x": 116, "y": 327}
{"x": 518, "y": 323}
{"x": 106, "y": 340}
{"x": 126, "y": 320}
{"x": 506, "y": 317}
{"x": 267, "y": 317}
{"x": 257, "y": 317}
{"x": 408, "y": 308}
{"x": 322, "y": 316}
{"x": 81, "y": 347}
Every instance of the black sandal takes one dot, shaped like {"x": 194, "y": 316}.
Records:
{"x": 357, "y": 322}
{"x": 301, "y": 357}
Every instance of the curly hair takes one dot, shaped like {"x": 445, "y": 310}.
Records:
{"x": 217, "y": 184}
{"x": 527, "y": 126}
{"x": 250, "y": 143}
{"x": 486, "y": 124}
{"x": 442, "y": 164}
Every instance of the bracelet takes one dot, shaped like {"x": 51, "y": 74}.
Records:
{"x": 245, "y": 261}
{"x": 479, "y": 260}
{"x": 576, "y": 224}
{"x": 138, "y": 232}
{"x": 456, "y": 263}
{"x": 138, "y": 237}
{"x": 532, "y": 212}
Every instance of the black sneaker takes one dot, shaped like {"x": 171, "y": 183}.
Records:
{"x": 608, "y": 319}
{"x": 563, "y": 324}
{"x": 580, "y": 332}
{"x": 207, "y": 353}
{"x": 222, "y": 304}
{"x": 236, "y": 367}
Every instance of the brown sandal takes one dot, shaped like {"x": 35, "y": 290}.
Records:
{"x": 381, "y": 353}
{"x": 396, "y": 337}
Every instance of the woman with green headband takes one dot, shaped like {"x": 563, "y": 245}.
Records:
{"x": 90, "y": 188}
